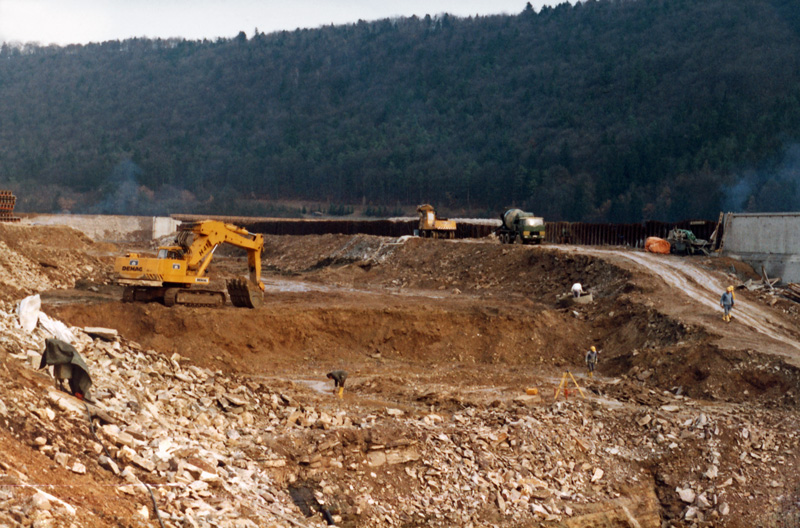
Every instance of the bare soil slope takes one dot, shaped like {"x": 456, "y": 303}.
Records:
{"x": 689, "y": 421}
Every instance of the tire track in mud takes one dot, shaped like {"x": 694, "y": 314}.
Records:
{"x": 704, "y": 288}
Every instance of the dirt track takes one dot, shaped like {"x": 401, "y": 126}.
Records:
{"x": 449, "y": 327}
{"x": 703, "y": 287}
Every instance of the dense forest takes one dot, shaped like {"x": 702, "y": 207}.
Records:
{"x": 603, "y": 110}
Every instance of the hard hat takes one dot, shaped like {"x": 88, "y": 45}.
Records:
{"x": 730, "y": 288}
{"x": 594, "y": 349}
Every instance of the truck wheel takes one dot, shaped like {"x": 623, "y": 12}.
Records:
{"x": 518, "y": 239}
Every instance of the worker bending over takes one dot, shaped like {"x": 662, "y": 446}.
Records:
{"x": 591, "y": 360}
{"x": 727, "y": 301}
{"x": 338, "y": 377}
{"x": 577, "y": 290}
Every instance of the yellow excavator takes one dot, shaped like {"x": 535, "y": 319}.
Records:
{"x": 177, "y": 274}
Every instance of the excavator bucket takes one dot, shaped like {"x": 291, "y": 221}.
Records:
{"x": 245, "y": 294}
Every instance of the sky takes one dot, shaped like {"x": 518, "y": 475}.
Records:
{"x": 65, "y": 22}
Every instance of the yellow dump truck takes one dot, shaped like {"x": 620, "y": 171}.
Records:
{"x": 432, "y": 227}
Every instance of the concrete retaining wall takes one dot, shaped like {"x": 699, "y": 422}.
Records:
{"x": 771, "y": 240}
{"x": 110, "y": 228}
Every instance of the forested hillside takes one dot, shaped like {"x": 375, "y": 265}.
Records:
{"x": 601, "y": 111}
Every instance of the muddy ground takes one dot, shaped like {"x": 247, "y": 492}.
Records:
{"x": 449, "y": 327}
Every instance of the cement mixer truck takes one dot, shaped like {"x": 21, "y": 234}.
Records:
{"x": 519, "y": 227}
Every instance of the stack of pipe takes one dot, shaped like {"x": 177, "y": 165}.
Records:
{"x": 7, "y": 202}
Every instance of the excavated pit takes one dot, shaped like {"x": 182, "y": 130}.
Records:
{"x": 453, "y": 332}
{"x": 478, "y": 312}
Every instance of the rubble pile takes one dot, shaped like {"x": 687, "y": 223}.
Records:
{"x": 179, "y": 430}
{"x": 225, "y": 450}
{"x": 363, "y": 250}
{"x": 30, "y": 264}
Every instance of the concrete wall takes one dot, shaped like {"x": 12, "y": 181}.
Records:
{"x": 163, "y": 226}
{"x": 110, "y": 228}
{"x": 771, "y": 240}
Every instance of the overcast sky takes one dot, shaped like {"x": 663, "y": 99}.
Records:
{"x": 80, "y": 21}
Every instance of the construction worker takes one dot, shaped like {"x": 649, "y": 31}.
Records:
{"x": 727, "y": 301}
{"x": 577, "y": 290}
{"x": 338, "y": 377}
{"x": 591, "y": 360}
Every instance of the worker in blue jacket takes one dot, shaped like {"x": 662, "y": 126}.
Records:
{"x": 727, "y": 301}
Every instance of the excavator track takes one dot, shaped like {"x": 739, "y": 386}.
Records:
{"x": 187, "y": 297}
{"x": 244, "y": 294}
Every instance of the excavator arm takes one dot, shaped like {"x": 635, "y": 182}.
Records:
{"x": 209, "y": 234}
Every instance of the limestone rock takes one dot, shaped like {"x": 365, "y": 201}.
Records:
{"x": 109, "y": 464}
{"x": 687, "y": 495}
{"x": 108, "y": 334}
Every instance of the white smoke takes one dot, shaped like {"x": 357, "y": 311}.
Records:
{"x": 770, "y": 190}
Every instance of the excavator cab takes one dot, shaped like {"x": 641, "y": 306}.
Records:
{"x": 174, "y": 253}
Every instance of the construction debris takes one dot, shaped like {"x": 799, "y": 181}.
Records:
{"x": 792, "y": 291}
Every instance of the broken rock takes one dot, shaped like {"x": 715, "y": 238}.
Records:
{"x": 687, "y": 495}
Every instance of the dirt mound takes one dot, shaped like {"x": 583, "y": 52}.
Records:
{"x": 476, "y": 267}
{"x": 331, "y": 331}
{"x": 34, "y": 259}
